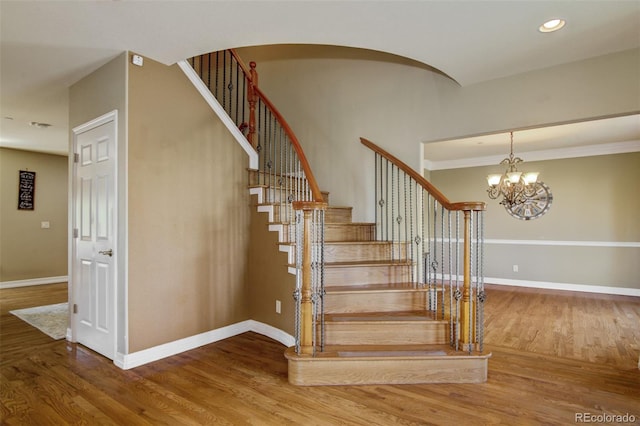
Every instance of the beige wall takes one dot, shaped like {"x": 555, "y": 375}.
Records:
{"x": 101, "y": 92}
{"x": 268, "y": 276}
{"x": 26, "y": 250}
{"x": 332, "y": 98}
{"x": 188, "y": 212}
{"x": 593, "y": 88}
{"x": 596, "y": 199}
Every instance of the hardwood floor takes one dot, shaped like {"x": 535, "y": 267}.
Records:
{"x": 555, "y": 354}
{"x": 598, "y": 328}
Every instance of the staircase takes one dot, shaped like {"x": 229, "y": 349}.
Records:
{"x": 370, "y": 309}
{"x": 375, "y": 329}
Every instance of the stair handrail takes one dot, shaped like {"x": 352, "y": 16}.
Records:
{"x": 309, "y": 215}
{"x": 428, "y": 186}
{"x": 466, "y": 321}
{"x": 251, "y": 77}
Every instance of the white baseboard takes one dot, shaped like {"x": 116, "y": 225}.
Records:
{"x": 34, "y": 281}
{"x": 136, "y": 359}
{"x": 273, "y": 333}
{"x": 622, "y": 291}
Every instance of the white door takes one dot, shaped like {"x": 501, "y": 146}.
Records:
{"x": 94, "y": 266}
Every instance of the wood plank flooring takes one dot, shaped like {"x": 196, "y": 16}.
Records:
{"x": 555, "y": 354}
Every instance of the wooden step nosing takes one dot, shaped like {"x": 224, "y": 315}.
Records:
{"x": 387, "y": 322}
{"x": 448, "y": 356}
{"x": 370, "y": 291}
{"x": 368, "y": 263}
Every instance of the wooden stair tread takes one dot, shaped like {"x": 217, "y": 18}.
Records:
{"x": 365, "y": 263}
{"x": 380, "y": 317}
{"x": 386, "y": 367}
{"x": 375, "y": 288}
{"x": 277, "y": 204}
{"x": 334, "y": 224}
{"x": 374, "y": 242}
{"x": 345, "y": 242}
{"x": 368, "y": 263}
{"x": 395, "y": 351}
{"x": 279, "y": 188}
{"x": 350, "y": 223}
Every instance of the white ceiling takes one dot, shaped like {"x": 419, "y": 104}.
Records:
{"x": 46, "y": 46}
{"x": 596, "y": 137}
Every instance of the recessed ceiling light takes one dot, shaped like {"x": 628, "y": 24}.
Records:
{"x": 552, "y": 25}
{"x": 39, "y": 125}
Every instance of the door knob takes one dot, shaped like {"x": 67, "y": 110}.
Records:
{"x": 106, "y": 252}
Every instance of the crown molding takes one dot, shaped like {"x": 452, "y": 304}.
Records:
{"x": 550, "y": 154}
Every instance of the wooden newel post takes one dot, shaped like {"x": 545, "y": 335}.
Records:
{"x": 252, "y": 99}
{"x": 466, "y": 316}
{"x": 306, "y": 307}
{"x": 306, "y": 292}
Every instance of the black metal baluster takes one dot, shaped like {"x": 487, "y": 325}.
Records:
{"x": 376, "y": 197}
{"x": 224, "y": 78}
{"x": 230, "y": 85}
{"x": 217, "y": 73}
{"x": 237, "y": 90}
{"x": 409, "y": 244}
{"x": 209, "y": 71}
{"x": 393, "y": 214}
{"x": 442, "y": 266}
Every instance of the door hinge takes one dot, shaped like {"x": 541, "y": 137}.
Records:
{"x": 75, "y": 308}
{"x": 76, "y": 157}
{"x": 75, "y": 232}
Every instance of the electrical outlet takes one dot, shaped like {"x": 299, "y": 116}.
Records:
{"x": 515, "y": 268}
{"x": 278, "y": 307}
{"x": 45, "y": 224}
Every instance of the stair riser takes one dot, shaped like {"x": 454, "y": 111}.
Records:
{"x": 364, "y": 252}
{"x": 262, "y": 178}
{"x": 331, "y": 215}
{"x": 371, "y": 371}
{"x": 276, "y": 195}
{"x": 366, "y": 274}
{"x": 344, "y": 232}
{"x": 375, "y": 302}
{"x": 386, "y": 333}
{"x": 257, "y": 178}
{"x": 350, "y": 232}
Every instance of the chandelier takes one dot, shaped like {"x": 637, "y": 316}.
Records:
{"x": 515, "y": 187}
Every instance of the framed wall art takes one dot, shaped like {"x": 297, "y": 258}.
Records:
{"x": 26, "y": 190}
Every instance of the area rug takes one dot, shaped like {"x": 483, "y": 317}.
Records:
{"x": 52, "y": 320}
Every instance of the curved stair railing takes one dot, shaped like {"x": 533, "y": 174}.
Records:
{"x": 282, "y": 160}
{"x": 285, "y": 174}
{"x": 447, "y": 255}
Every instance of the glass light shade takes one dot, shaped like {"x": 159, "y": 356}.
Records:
{"x": 514, "y": 177}
{"x": 530, "y": 177}
{"x": 494, "y": 179}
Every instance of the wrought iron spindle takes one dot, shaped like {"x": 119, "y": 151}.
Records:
{"x": 457, "y": 294}
{"x": 471, "y": 286}
{"x": 297, "y": 295}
